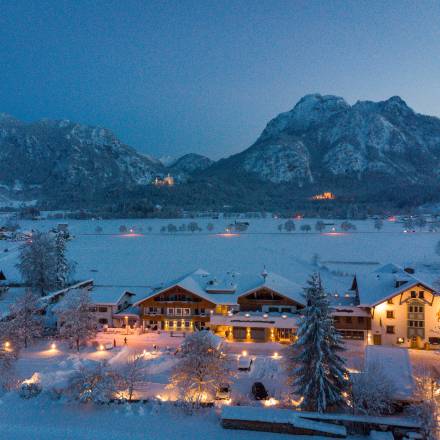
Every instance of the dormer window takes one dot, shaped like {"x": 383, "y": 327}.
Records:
{"x": 421, "y": 294}
{"x": 390, "y": 301}
{"x": 413, "y": 294}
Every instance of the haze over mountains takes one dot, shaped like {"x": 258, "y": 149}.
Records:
{"x": 323, "y": 143}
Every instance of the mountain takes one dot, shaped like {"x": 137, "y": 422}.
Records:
{"x": 189, "y": 164}
{"x": 325, "y": 142}
{"x": 370, "y": 154}
{"x": 54, "y": 159}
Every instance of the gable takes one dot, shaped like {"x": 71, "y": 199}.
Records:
{"x": 174, "y": 293}
{"x": 406, "y": 293}
{"x": 264, "y": 295}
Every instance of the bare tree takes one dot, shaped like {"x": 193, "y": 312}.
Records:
{"x": 93, "y": 383}
{"x": 171, "y": 228}
{"x": 193, "y": 226}
{"x": 8, "y": 376}
{"x": 427, "y": 408}
{"x": 38, "y": 262}
{"x": 24, "y": 322}
{"x": 347, "y": 226}
{"x": 289, "y": 226}
{"x": 420, "y": 222}
{"x": 201, "y": 370}
{"x": 378, "y": 224}
{"x": 372, "y": 391}
{"x": 319, "y": 226}
{"x": 75, "y": 320}
{"x": 131, "y": 374}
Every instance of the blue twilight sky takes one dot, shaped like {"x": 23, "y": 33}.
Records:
{"x": 170, "y": 77}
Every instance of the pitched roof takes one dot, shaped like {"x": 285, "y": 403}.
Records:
{"x": 384, "y": 283}
{"x": 228, "y": 288}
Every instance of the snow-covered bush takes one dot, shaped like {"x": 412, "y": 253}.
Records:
{"x": 372, "y": 391}
{"x": 31, "y": 388}
{"x": 201, "y": 370}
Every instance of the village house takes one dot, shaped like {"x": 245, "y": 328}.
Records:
{"x": 111, "y": 305}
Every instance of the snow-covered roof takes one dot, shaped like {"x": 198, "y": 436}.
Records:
{"x": 109, "y": 294}
{"x": 226, "y": 289}
{"x": 281, "y": 416}
{"x": 384, "y": 283}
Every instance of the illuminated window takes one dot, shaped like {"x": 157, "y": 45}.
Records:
{"x": 390, "y": 314}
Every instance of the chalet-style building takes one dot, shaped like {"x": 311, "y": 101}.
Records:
{"x": 390, "y": 306}
{"x": 260, "y": 308}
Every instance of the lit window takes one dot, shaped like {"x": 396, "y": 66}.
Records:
{"x": 390, "y": 314}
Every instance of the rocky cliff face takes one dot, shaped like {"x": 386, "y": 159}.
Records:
{"x": 323, "y": 138}
{"x": 50, "y": 155}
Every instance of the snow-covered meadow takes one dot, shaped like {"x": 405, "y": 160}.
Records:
{"x": 151, "y": 258}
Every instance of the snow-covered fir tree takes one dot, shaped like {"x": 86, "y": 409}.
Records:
{"x": 64, "y": 267}
{"x": 37, "y": 262}
{"x": 75, "y": 320}
{"x": 24, "y": 322}
{"x": 202, "y": 368}
{"x": 315, "y": 369}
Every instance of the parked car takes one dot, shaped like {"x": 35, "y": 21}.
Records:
{"x": 223, "y": 393}
{"x": 244, "y": 363}
{"x": 259, "y": 391}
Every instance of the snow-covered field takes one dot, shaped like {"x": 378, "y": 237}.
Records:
{"x": 150, "y": 258}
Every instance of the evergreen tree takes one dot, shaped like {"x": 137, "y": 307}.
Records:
{"x": 63, "y": 268}
{"x": 319, "y": 374}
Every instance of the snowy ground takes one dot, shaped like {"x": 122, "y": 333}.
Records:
{"x": 150, "y": 258}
